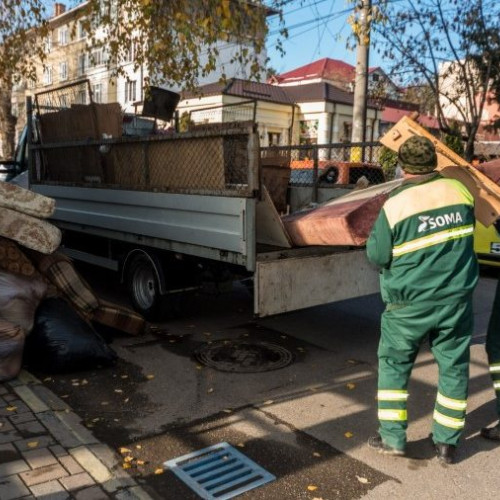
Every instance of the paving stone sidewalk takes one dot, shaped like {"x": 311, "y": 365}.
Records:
{"x": 46, "y": 453}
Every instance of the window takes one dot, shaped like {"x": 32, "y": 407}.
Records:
{"x": 47, "y": 75}
{"x": 130, "y": 91}
{"x": 97, "y": 92}
{"x": 274, "y": 138}
{"x": 82, "y": 64}
{"x": 375, "y": 77}
{"x": 48, "y": 44}
{"x": 96, "y": 59}
{"x": 63, "y": 71}
{"x": 81, "y": 98}
{"x": 63, "y": 101}
{"x": 63, "y": 35}
{"x": 81, "y": 30}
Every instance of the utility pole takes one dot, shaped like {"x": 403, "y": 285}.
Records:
{"x": 361, "y": 79}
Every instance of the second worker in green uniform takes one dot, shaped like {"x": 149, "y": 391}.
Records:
{"x": 423, "y": 242}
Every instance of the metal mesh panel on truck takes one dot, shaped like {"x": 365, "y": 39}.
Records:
{"x": 215, "y": 160}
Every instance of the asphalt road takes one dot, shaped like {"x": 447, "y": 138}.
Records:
{"x": 307, "y": 423}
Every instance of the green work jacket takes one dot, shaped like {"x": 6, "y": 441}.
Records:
{"x": 423, "y": 242}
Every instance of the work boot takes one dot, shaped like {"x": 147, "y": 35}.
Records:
{"x": 492, "y": 433}
{"x": 445, "y": 452}
{"x": 376, "y": 443}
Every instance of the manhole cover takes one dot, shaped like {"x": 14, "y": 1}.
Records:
{"x": 244, "y": 356}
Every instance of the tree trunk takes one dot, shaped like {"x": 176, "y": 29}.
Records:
{"x": 7, "y": 124}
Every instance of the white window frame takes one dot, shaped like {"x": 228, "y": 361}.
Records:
{"x": 81, "y": 33}
{"x": 82, "y": 64}
{"x": 97, "y": 92}
{"x": 63, "y": 71}
{"x": 63, "y": 36}
{"x": 47, "y": 75}
{"x": 48, "y": 43}
{"x": 130, "y": 90}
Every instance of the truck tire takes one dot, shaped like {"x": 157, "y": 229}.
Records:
{"x": 144, "y": 288}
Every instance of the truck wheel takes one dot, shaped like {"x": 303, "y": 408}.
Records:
{"x": 144, "y": 288}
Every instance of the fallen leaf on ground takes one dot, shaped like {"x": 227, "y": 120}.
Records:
{"x": 124, "y": 376}
{"x": 124, "y": 450}
{"x": 64, "y": 396}
{"x": 362, "y": 479}
{"x": 85, "y": 381}
{"x": 311, "y": 487}
{"x": 210, "y": 390}
{"x": 316, "y": 454}
{"x": 348, "y": 435}
{"x": 32, "y": 444}
{"x": 104, "y": 403}
{"x": 159, "y": 471}
{"x": 150, "y": 377}
{"x": 128, "y": 458}
{"x": 138, "y": 446}
{"x": 268, "y": 402}
{"x": 126, "y": 400}
{"x": 350, "y": 386}
{"x": 140, "y": 462}
{"x": 119, "y": 391}
{"x": 227, "y": 410}
{"x": 11, "y": 408}
{"x": 199, "y": 367}
{"x": 47, "y": 379}
{"x": 240, "y": 445}
{"x": 126, "y": 465}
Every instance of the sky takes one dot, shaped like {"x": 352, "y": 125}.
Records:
{"x": 317, "y": 29}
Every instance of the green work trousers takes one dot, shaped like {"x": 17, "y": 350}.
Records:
{"x": 493, "y": 345}
{"x": 404, "y": 328}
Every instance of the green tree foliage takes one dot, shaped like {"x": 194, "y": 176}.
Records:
{"x": 177, "y": 42}
{"x": 454, "y": 139}
{"x": 388, "y": 160}
{"x": 22, "y": 28}
{"x": 452, "y": 47}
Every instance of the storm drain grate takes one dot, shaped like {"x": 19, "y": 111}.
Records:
{"x": 219, "y": 472}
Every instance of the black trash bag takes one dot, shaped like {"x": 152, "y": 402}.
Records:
{"x": 61, "y": 341}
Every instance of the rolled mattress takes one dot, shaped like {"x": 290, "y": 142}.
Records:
{"x": 344, "y": 221}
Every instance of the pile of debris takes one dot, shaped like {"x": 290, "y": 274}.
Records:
{"x": 47, "y": 310}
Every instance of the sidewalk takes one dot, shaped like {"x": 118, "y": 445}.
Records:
{"x": 46, "y": 453}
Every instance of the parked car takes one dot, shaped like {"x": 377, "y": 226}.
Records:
{"x": 335, "y": 172}
{"x": 487, "y": 239}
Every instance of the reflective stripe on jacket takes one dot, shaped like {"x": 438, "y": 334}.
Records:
{"x": 423, "y": 241}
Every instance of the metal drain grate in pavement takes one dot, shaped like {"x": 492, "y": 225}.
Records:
{"x": 243, "y": 356}
{"x": 219, "y": 472}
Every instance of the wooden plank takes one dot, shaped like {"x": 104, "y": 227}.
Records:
{"x": 486, "y": 193}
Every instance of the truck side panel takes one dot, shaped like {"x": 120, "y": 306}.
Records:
{"x": 194, "y": 224}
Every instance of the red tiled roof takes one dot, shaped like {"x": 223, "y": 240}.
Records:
{"x": 393, "y": 115}
{"x": 326, "y": 68}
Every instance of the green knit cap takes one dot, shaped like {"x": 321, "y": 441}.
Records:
{"x": 417, "y": 155}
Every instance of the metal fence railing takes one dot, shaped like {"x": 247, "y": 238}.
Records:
{"x": 328, "y": 165}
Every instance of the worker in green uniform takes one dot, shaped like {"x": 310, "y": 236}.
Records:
{"x": 493, "y": 352}
{"x": 422, "y": 241}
